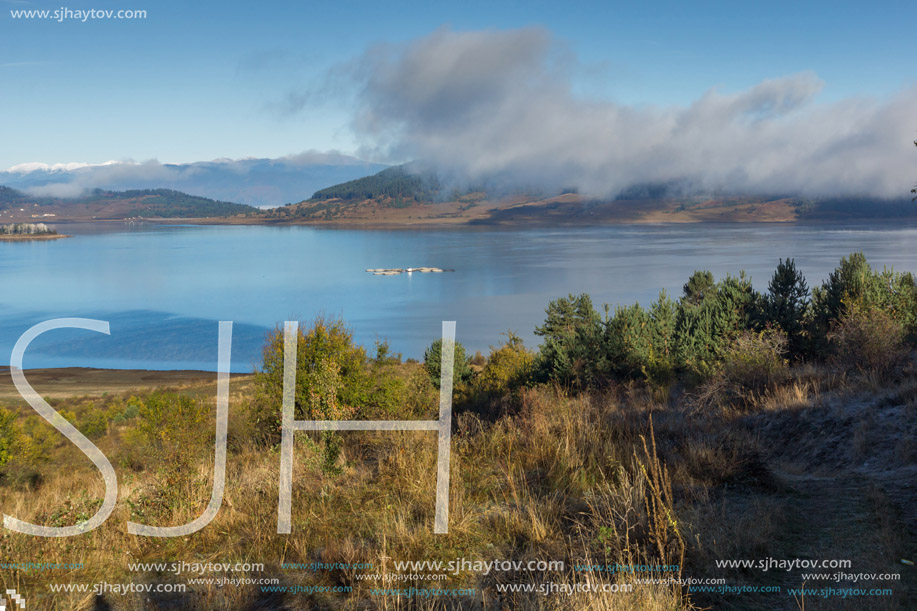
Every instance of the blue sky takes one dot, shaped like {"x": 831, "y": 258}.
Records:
{"x": 198, "y": 80}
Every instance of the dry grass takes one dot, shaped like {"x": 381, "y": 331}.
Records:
{"x": 555, "y": 477}
{"x": 620, "y": 477}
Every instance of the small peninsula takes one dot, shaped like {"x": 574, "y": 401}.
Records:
{"x": 20, "y": 232}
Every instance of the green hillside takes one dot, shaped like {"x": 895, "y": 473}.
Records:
{"x": 101, "y": 204}
{"x": 396, "y": 183}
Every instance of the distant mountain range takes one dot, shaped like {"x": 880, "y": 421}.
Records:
{"x": 16, "y": 206}
{"x": 257, "y": 182}
{"x": 403, "y": 195}
{"x": 398, "y": 195}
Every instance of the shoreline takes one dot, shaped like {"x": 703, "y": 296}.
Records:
{"x": 658, "y": 218}
{"x": 61, "y": 382}
{"x": 504, "y": 225}
{"x": 30, "y": 238}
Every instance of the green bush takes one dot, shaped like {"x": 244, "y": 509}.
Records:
{"x": 400, "y": 391}
{"x": 507, "y": 369}
{"x": 754, "y": 361}
{"x": 332, "y": 378}
{"x": 854, "y": 288}
{"x": 93, "y": 423}
{"x": 847, "y": 282}
{"x": 897, "y": 295}
{"x": 627, "y": 341}
{"x": 9, "y": 436}
{"x": 333, "y": 382}
{"x": 26, "y": 441}
{"x": 867, "y": 339}
{"x": 640, "y": 344}
{"x": 432, "y": 359}
{"x": 128, "y": 411}
{"x": 707, "y": 325}
{"x": 37, "y": 440}
{"x": 171, "y": 426}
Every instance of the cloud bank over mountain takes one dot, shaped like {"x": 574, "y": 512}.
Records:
{"x": 501, "y": 103}
{"x": 259, "y": 182}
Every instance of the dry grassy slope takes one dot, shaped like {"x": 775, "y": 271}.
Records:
{"x": 380, "y": 507}
{"x": 841, "y": 483}
{"x": 76, "y": 211}
{"x": 568, "y": 209}
{"x": 822, "y": 467}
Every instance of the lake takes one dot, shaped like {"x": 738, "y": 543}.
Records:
{"x": 164, "y": 287}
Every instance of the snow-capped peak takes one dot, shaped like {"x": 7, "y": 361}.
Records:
{"x": 37, "y": 166}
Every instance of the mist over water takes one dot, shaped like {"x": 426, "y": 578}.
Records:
{"x": 164, "y": 288}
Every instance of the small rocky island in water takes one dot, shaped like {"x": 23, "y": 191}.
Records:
{"x": 394, "y": 271}
{"x": 28, "y": 231}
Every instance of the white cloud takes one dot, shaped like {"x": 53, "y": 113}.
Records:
{"x": 500, "y": 103}
{"x": 60, "y": 189}
{"x": 250, "y": 180}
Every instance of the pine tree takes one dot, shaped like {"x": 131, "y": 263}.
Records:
{"x": 432, "y": 361}
{"x": 572, "y": 351}
{"x": 699, "y": 286}
{"x": 787, "y": 303}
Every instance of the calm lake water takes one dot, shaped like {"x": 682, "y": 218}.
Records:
{"x": 163, "y": 288}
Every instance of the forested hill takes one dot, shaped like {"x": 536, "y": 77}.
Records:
{"x": 396, "y": 183}
{"x": 102, "y": 205}
{"x": 10, "y": 196}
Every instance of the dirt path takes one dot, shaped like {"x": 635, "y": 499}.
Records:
{"x": 849, "y": 474}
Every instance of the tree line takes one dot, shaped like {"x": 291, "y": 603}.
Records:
{"x": 859, "y": 317}
{"x": 26, "y": 229}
